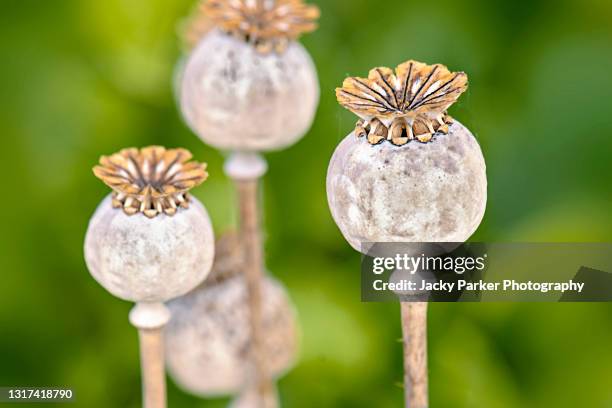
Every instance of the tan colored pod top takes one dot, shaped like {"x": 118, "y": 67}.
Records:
{"x": 402, "y": 105}
{"x": 152, "y": 180}
{"x": 269, "y": 25}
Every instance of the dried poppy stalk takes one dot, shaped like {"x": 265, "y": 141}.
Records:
{"x": 268, "y": 24}
{"x": 152, "y": 180}
{"x": 407, "y": 104}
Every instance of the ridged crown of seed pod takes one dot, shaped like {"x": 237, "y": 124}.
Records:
{"x": 229, "y": 259}
{"x": 405, "y": 104}
{"x": 267, "y": 24}
{"x": 152, "y": 180}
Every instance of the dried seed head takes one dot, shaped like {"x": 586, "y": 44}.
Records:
{"x": 151, "y": 180}
{"x": 267, "y": 24}
{"x": 234, "y": 98}
{"x": 416, "y": 93}
{"x": 208, "y": 338}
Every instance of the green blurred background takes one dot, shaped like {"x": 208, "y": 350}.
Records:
{"x": 81, "y": 78}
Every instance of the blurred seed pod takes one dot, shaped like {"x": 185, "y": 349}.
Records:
{"x": 234, "y": 97}
{"x": 246, "y": 83}
{"x": 207, "y": 340}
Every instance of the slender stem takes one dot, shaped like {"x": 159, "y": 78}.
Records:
{"x": 414, "y": 329}
{"x": 152, "y": 366}
{"x": 250, "y": 232}
{"x": 246, "y": 169}
{"x": 150, "y": 319}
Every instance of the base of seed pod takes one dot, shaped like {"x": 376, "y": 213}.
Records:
{"x": 149, "y": 260}
{"x": 419, "y": 192}
{"x": 236, "y": 98}
{"x": 207, "y": 340}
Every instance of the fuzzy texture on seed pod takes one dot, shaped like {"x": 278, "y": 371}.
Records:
{"x": 418, "y": 192}
{"x": 149, "y": 260}
{"x": 207, "y": 340}
{"x": 235, "y": 98}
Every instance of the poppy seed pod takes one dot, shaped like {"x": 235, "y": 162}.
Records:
{"x": 248, "y": 85}
{"x": 207, "y": 340}
{"x": 150, "y": 241}
{"x": 409, "y": 172}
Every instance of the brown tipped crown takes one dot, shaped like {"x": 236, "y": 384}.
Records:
{"x": 268, "y": 24}
{"x": 405, "y": 104}
{"x": 152, "y": 180}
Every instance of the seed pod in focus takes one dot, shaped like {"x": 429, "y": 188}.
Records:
{"x": 150, "y": 241}
{"x": 423, "y": 180}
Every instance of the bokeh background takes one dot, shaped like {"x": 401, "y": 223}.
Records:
{"x": 81, "y": 78}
